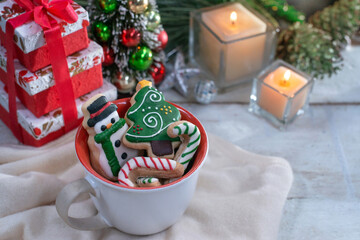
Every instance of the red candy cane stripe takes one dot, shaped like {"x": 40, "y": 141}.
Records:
{"x": 137, "y": 164}
{"x": 127, "y": 163}
{"x": 154, "y": 163}
{"x": 162, "y": 163}
{"x": 169, "y": 164}
{"x": 145, "y": 162}
{"x": 123, "y": 183}
{"x": 126, "y": 176}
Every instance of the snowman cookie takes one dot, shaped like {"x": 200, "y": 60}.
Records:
{"x": 149, "y": 118}
{"x": 106, "y": 129}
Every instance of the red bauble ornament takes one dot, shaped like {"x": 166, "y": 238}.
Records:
{"x": 130, "y": 37}
{"x": 37, "y": 131}
{"x": 109, "y": 56}
{"x": 157, "y": 71}
{"x": 163, "y": 38}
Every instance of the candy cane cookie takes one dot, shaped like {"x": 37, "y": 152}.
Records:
{"x": 148, "y": 182}
{"x": 161, "y": 168}
{"x": 191, "y": 137}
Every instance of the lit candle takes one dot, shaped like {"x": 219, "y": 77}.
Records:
{"x": 240, "y": 51}
{"x": 281, "y": 93}
{"x": 233, "y": 18}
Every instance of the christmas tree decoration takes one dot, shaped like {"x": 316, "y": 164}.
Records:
{"x": 157, "y": 72}
{"x": 153, "y": 19}
{"x": 101, "y": 31}
{"x": 124, "y": 82}
{"x": 130, "y": 37}
{"x": 138, "y": 6}
{"x": 135, "y": 46}
{"x": 281, "y": 9}
{"x": 141, "y": 58}
{"x": 205, "y": 91}
{"x": 163, "y": 39}
{"x": 340, "y": 20}
{"x": 109, "y": 56}
{"x": 309, "y": 49}
{"x": 108, "y": 6}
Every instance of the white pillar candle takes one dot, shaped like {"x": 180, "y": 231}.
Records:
{"x": 281, "y": 93}
{"x": 233, "y": 39}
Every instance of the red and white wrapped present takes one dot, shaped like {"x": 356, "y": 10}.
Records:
{"x": 30, "y": 44}
{"x": 39, "y": 131}
{"x": 37, "y": 91}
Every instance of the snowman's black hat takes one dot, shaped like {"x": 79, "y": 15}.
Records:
{"x": 99, "y": 110}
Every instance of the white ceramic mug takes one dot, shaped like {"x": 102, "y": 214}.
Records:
{"x": 139, "y": 211}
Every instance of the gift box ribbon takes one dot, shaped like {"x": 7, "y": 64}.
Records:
{"x": 42, "y": 12}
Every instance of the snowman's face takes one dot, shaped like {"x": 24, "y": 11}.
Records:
{"x": 106, "y": 122}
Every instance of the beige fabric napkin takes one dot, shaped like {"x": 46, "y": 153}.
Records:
{"x": 240, "y": 195}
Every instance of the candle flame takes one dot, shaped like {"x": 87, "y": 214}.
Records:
{"x": 285, "y": 81}
{"x": 233, "y": 17}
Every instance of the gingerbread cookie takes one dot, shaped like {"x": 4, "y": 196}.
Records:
{"x": 191, "y": 138}
{"x": 161, "y": 168}
{"x": 106, "y": 129}
{"x": 148, "y": 182}
{"x": 149, "y": 118}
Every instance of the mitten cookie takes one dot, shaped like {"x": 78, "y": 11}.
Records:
{"x": 161, "y": 168}
{"x": 191, "y": 137}
{"x": 106, "y": 129}
{"x": 149, "y": 118}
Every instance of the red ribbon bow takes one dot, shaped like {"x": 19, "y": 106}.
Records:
{"x": 42, "y": 12}
{"x": 41, "y": 9}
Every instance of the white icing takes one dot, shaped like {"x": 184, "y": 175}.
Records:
{"x": 191, "y": 129}
{"x": 141, "y": 180}
{"x": 106, "y": 121}
{"x": 152, "y": 98}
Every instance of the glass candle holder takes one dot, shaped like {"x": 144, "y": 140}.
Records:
{"x": 231, "y": 42}
{"x": 280, "y": 93}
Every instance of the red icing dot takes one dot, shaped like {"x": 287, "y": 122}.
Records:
{"x": 138, "y": 125}
{"x": 141, "y": 129}
{"x": 37, "y": 131}
{"x": 138, "y": 132}
{"x": 137, "y": 129}
{"x": 134, "y": 131}
{"x": 134, "y": 127}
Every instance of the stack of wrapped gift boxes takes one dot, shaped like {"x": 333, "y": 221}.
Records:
{"x": 38, "y": 105}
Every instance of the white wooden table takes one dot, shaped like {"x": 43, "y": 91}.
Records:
{"x": 323, "y": 148}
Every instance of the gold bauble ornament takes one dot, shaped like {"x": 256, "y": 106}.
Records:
{"x": 124, "y": 82}
{"x": 138, "y": 6}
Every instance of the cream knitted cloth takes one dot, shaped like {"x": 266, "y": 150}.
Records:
{"x": 240, "y": 195}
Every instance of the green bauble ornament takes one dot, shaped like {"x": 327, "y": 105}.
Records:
{"x": 153, "y": 18}
{"x": 138, "y": 6}
{"x": 101, "y": 31}
{"x": 108, "y": 6}
{"x": 141, "y": 58}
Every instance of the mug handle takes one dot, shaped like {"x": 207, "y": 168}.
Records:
{"x": 67, "y": 196}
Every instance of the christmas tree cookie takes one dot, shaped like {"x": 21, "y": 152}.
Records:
{"x": 106, "y": 129}
{"x": 149, "y": 118}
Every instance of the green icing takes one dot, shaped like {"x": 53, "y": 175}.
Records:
{"x": 152, "y": 116}
{"x": 104, "y": 139}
